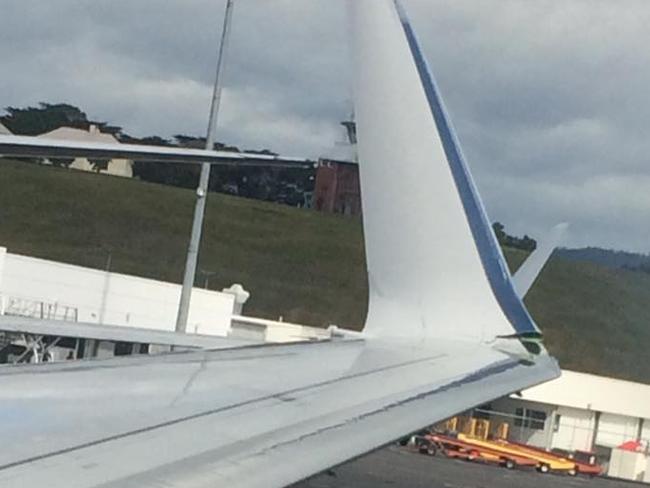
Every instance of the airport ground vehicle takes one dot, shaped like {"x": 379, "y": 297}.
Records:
{"x": 502, "y": 452}
{"x": 460, "y": 449}
{"x": 424, "y": 444}
{"x": 481, "y": 439}
{"x": 585, "y": 461}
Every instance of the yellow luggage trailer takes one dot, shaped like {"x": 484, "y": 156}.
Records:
{"x": 546, "y": 461}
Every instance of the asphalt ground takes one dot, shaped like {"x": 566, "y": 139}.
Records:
{"x": 398, "y": 467}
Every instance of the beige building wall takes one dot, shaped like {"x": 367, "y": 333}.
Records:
{"x": 116, "y": 167}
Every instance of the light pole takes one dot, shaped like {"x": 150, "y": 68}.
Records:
{"x": 202, "y": 190}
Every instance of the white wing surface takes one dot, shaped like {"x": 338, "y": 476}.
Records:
{"x": 429, "y": 246}
{"x": 113, "y": 333}
{"x": 250, "y": 417}
{"x": 23, "y": 146}
{"x": 445, "y": 331}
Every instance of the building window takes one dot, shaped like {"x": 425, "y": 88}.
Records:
{"x": 530, "y": 419}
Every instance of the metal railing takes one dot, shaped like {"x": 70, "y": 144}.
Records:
{"x": 27, "y": 307}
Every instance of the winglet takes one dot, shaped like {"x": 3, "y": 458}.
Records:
{"x": 527, "y": 273}
{"x": 434, "y": 266}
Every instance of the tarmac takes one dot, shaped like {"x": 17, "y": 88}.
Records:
{"x": 401, "y": 468}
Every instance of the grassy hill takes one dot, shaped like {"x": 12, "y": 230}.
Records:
{"x": 303, "y": 265}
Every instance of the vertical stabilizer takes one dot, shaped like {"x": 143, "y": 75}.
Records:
{"x": 435, "y": 268}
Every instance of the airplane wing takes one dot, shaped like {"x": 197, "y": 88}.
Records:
{"x": 113, "y": 333}
{"x": 23, "y": 146}
{"x": 248, "y": 417}
{"x": 445, "y": 331}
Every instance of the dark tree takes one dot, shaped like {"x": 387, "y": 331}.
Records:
{"x": 61, "y": 162}
{"x": 526, "y": 243}
{"x": 174, "y": 174}
{"x": 33, "y": 121}
{"x": 46, "y": 117}
{"x": 99, "y": 164}
{"x": 499, "y": 232}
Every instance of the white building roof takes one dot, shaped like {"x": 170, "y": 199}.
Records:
{"x": 4, "y": 130}
{"x": 591, "y": 392}
{"x": 72, "y": 134}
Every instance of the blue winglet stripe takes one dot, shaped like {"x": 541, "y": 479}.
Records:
{"x": 490, "y": 254}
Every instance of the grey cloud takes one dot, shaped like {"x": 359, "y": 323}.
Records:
{"x": 549, "y": 101}
{"x": 549, "y": 98}
{"x": 149, "y": 66}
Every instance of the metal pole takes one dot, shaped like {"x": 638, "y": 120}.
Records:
{"x": 207, "y": 275}
{"x": 202, "y": 190}
{"x": 107, "y": 279}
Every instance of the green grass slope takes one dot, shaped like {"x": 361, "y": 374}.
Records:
{"x": 303, "y": 265}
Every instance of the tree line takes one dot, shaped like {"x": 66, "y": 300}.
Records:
{"x": 282, "y": 185}
{"x": 526, "y": 243}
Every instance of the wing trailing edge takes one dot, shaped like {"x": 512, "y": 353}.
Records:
{"x": 25, "y": 146}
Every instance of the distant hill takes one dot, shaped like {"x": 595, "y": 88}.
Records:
{"x": 300, "y": 264}
{"x": 606, "y": 257}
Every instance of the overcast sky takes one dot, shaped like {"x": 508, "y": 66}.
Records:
{"x": 550, "y": 98}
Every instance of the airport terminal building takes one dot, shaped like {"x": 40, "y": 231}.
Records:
{"x": 580, "y": 412}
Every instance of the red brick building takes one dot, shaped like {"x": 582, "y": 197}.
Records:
{"x": 337, "y": 187}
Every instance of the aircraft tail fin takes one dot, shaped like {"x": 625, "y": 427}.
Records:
{"x": 434, "y": 266}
